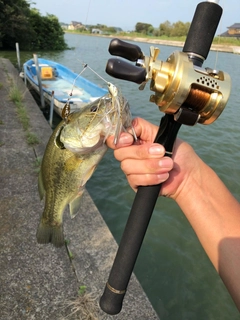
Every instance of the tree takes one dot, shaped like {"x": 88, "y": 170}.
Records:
{"x": 165, "y": 29}
{"x": 180, "y": 29}
{"x": 13, "y": 22}
{"x": 143, "y": 27}
{"x": 177, "y": 29}
{"x": 46, "y": 32}
{"x": 19, "y": 23}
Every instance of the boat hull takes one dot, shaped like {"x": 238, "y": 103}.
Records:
{"x": 61, "y": 85}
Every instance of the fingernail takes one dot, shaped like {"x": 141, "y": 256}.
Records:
{"x": 166, "y": 163}
{"x": 125, "y": 139}
{"x": 156, "y": 149}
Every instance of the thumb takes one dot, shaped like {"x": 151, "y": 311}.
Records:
{"x": 145, "y": 131}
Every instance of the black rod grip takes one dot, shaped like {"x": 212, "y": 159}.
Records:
{"x": 139, "y": 217}
{"x": 203, "y": 28}
{"x": 136, "y": 227}
{"x": 125, "y": 50}
{"x": 121, "y": 69}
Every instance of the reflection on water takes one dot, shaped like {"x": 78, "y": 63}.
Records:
{"x": 172, "y": 266}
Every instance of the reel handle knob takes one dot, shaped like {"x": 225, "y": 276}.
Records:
{"x": 121, "y": 69}
{"x": 125, "y": 50}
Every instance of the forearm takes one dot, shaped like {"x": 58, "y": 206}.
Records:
{"x": 215, "y": 216}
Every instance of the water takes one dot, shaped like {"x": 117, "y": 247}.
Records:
{"x": 172, "y": 266}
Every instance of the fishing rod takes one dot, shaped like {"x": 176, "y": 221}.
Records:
{"x": 188, "y": 94}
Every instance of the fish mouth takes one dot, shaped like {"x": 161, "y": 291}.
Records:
{"x": 86, "y": 150}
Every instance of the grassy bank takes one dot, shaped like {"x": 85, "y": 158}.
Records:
{"x": 134, "y": 35}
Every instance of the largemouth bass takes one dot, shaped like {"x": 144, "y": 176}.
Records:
{"x": 74, "y": 150}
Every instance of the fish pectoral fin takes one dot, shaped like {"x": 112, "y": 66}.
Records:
{"x": 75, "y": 204}
{"x": 41, "y": 189}
{"x": 88, "y": 175}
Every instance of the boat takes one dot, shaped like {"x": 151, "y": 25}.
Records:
{"x": 61, "y": 84}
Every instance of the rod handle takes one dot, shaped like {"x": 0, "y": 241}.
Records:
{"x": 136, "y": 227}
{"x": 203, "y": 28}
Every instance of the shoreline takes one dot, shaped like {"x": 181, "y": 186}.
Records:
{"x": 173, "y": 43}
{"x": 214, "y": 47}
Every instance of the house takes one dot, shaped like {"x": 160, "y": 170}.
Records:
{"x": 64, "y": 25}
{"x": 98, "y": 31}
{"x": 233, "y": 31}
{"x": 74, "y": 25}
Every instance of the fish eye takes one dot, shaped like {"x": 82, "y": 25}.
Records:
{"x": 94, "y": 108}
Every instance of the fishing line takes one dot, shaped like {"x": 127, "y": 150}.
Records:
{"x": 116, "y": 106}
{"x": 220, "y": 32}
{"x": 84, "y": 67}
{"x": 98, "y": 75}
{"x": 89, "y": 4}
{"x": 67, "y": 109}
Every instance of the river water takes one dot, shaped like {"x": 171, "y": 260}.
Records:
{"x": 172, "y": 266}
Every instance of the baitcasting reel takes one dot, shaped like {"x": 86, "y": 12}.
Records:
{"x": 182, "y": 88}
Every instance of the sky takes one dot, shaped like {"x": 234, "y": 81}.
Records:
{"x": 126, "y": 13}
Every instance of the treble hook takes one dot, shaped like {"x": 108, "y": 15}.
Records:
{"x": 66, "y": 111}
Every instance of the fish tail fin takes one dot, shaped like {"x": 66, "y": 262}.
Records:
{"x": 53, "y": 234}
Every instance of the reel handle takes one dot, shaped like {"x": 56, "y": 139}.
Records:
{"x": 121, "y": 69}
{"x": 125, "y": 50}
{"x": 136, "y": 227}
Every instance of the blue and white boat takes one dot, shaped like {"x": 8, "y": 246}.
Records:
{"x": 61, "y": 84}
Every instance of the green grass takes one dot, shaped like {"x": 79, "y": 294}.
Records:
{"x": 23, "y": 117}
{"x": 217, "y": 40}
{"x": 37, "y": 164}
{"x": 226, "y": 41}
{"x": 82, "y": 290}
{"x": 17, "y": 97}
{"x": 32, "y": 139}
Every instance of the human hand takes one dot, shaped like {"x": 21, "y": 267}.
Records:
{"x": 144, "y": 162}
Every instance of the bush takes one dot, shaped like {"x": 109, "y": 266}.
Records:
{"x": 19, "y": 23}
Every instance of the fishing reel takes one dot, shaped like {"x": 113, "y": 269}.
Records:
{"x": 181, "y": 86}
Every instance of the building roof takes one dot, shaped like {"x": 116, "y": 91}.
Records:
{"x": 235, "y": 26}
{"x": 74, "y": 23}
{"x": 226, "y": 34}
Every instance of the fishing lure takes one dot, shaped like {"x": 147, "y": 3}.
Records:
{"x": 119, "y": 107}
{"x": 119, "y": 104}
